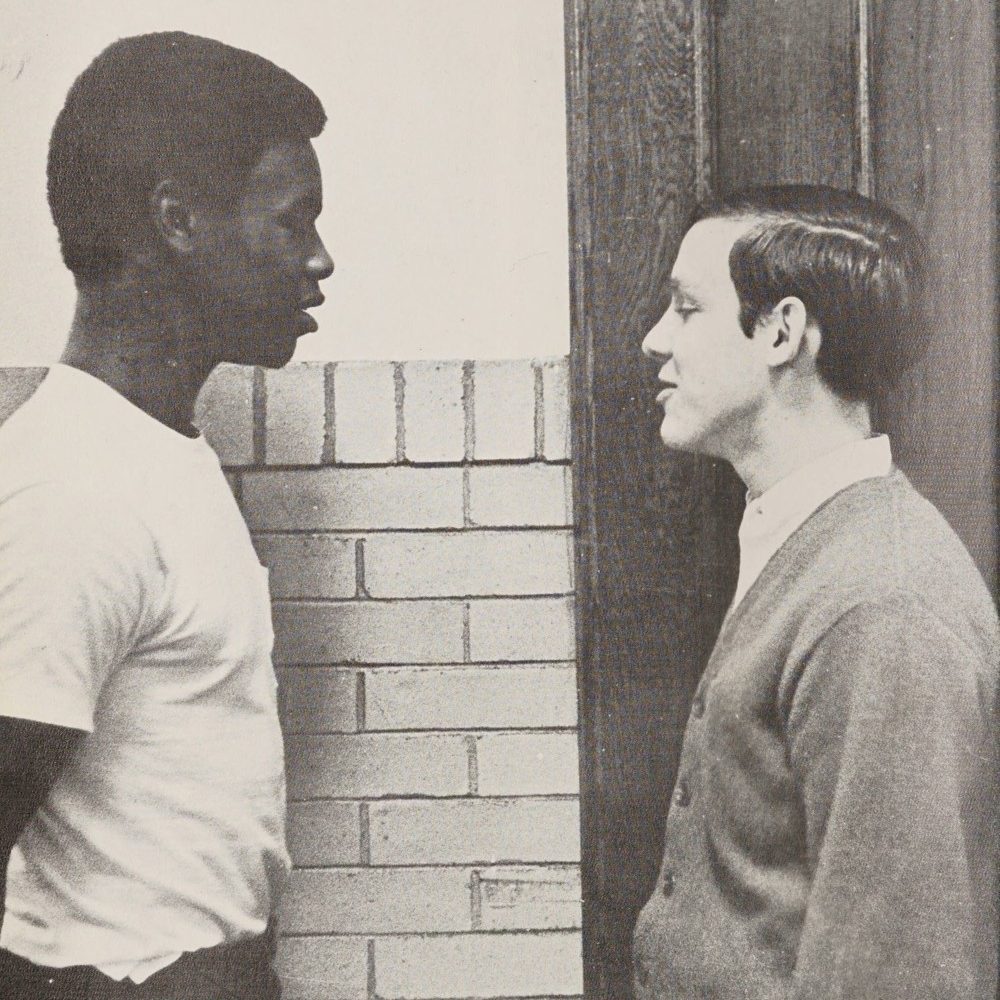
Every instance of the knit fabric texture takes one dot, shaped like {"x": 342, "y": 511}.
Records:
{"x": 833, "y": 829}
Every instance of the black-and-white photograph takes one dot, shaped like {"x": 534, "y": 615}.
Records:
{"x": 498, "y": 500}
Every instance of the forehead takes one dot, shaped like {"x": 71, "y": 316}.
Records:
{"x": 702, "y": 262}
{"x": 285, "y": 174}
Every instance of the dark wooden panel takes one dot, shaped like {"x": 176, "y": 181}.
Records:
{"x": 934, "y": 123}
{"x": 656, "y": 531}
{"x": 16, "y": 386}
{"x": 786, "y": 87}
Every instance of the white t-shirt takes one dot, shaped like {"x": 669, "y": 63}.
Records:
{"x": 133, "y": 607}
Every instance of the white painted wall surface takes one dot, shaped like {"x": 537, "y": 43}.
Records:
{"x": 444, "y": 161}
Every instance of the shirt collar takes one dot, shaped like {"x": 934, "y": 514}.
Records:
{"x": 771, "y": 518}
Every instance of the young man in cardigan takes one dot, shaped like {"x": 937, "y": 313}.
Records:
{"x": 832, "y": 833}
{"x": 141, "y": 764}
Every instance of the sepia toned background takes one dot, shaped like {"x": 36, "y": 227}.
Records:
{"x": 443, "y": 161}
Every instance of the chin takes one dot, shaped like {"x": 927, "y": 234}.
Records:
{"x": 682, "y": 439}
{"x": 276, "y": 358}
{"x": 270, "y": 351}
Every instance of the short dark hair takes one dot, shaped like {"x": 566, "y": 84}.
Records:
{"x": 161, "y": 105}
{"x": 857, "y": 266}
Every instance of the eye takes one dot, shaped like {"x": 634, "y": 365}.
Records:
{"x": 684, "y": 309}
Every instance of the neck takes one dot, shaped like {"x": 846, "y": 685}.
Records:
{"x": 135, "y": 335}
{"x": 789, "y": 437}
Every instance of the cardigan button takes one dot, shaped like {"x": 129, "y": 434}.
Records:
{"x": 667, "y": 887}
{"x": 682, "y": 795}
{"x": 641, "y": 973}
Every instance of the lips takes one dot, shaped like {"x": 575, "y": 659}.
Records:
{"x": 313, "y": 301}
{"x": 309, "y": 322}
{"x": 665, "y": 392}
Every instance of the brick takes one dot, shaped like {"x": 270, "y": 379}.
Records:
{"x": 308, "y": 565}
{"x": 526, "y": 628}
{"x": 373, "y": 765}
{"x": 295, "y": 415}
{"x": 224, "y": 412}
{"x": 364, "y": 401}
{"x": 16, "y": 386}
{"x": 535, "y": 898}
{"x": 471, "y": 698}
{"x": 433, "y": 415}
{"x": 331, "y": 499}
{"x": 468, "y": 563}
{"x": 319, "y": 700}
{"x": 555, "y": 410}
{"x": 316, "y": 968}
{"x": 485, "y": 831}
{"x": 504, "y": 409}
{"x": 526, "y": 495}
{"x": 378, "y": 901}
{"x": 479, "y": 965}
{"x": 528, "y": 764}
{"x": 324, "y": 833}
{"x": 368, "y": 632}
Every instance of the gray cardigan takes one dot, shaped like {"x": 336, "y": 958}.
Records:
{"x": 833, "y": 831}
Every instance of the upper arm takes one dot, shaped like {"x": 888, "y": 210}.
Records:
{"x": 71, "y": 602}
{"x": 892, "y": 744}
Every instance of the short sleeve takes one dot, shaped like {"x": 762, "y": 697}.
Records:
{"x": 72, "y": 594}
{"x": 891, "y": 740}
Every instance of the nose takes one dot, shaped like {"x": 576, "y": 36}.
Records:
{"x": 320, "y": 263}
{"x": 656, "y": 343}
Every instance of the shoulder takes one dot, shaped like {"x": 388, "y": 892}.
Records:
{"x": 880, "y": 548}
{"x": 892, "y": 656}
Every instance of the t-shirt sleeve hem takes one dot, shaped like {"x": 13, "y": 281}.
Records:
{"x": 50, "y": 711}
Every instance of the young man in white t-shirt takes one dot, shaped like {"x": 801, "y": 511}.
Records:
{"x": 141, "y": 765}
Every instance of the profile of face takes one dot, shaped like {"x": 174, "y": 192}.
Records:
{"x": 715, "y": 378}
{"x": 255, "y": 267}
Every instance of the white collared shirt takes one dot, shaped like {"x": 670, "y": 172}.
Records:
{"x": 771, "y": 518}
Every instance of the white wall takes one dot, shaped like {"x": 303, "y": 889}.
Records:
{"x": 444, "y": 164}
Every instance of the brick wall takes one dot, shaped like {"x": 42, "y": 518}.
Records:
{"x": 416, "y": 521}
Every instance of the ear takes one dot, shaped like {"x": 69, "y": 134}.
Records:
{"x": 786, "y": 332}
{"x": 172, "y": 215}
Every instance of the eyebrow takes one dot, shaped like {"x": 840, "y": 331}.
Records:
{"x": 678, "y": 287}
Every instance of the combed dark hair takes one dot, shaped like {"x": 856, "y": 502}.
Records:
{"x": 161, "y": 105}
{"x": 857, "y": 266}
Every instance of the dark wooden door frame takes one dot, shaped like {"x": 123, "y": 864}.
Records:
{"x": 655, "y": 541}
{"x": 665, "y": 99}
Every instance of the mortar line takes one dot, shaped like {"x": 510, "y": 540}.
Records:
{"x": 371, "y": 969}
{"x": 539, "y": 411}
{"x": 399, "y": 384}
{"x": 469, "y": 408}
{"x": 364, "y": 823}
{"x": 360, "y": 703}
{"x": 329, "y": 455}
{"x": 466, "y": 632}
{"x": 258, "y": 409}
{"x": 360, "y": 589}
{"x": 471, "y": 748}
{"x": 477, "y": 901}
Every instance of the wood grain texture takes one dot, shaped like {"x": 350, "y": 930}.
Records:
{"x": 656, "y": 530}
{"x": 786, "y": 85}
{"x": 934, "y": 128}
